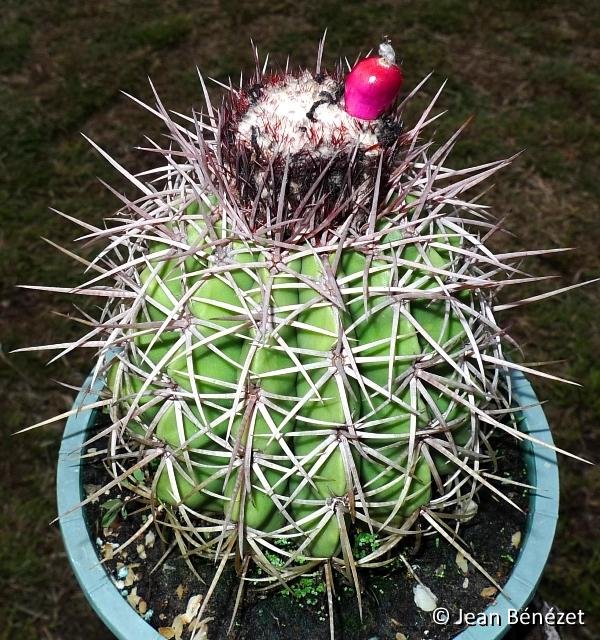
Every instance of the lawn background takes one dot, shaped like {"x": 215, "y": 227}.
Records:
{"x": 528, "y": 70}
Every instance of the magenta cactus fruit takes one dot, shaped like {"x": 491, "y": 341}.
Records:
{"x": 373, "y": 84}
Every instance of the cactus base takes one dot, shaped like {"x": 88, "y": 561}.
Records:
{"x": 125, "y": 623}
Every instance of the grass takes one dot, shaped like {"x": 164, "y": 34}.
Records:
{"x": 528, "y": 70}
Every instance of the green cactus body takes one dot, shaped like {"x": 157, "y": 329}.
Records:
{"x": 322, "y": 324}
{"x": 209, "y": 369}
{"x": 248, "y": 382}
{"x": 126, "y": 386}
{"x": 300, "y": 341}
{"x": 269, "y": 352}
{"x": 395, "y": 346}
{"x": 270, "y": 398}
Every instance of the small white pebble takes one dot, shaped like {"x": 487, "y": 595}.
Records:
{"x": 468, "y": 509}
{"x": 516, "y": 539}
{"x": 150, "y": 539}
{"x": 193, "y": 606}
{"x": 462, "y": 563}
{"x": 489, "y": 592}
{"x": 424, "y": 598}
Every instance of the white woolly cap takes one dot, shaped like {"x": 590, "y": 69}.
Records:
{"x": 279, "y": 122}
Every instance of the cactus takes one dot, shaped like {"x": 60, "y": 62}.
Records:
{"x": 300, "y": 339}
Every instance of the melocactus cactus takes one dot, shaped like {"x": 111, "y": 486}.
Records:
{"x": 286, "y": 296}
{"x": 299, "y": 340}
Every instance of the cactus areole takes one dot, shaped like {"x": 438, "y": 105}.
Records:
{"x": 299, "y": 341}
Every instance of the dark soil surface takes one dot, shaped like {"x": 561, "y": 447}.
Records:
{"x": 389, "y": 609}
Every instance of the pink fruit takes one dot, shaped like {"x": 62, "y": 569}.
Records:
{"x": 373, "y": 84}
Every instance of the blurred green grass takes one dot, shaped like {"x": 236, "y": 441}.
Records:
{"x": 528, "y": 70}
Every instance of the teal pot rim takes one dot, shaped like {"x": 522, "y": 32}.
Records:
{"x": 125, "y": 623}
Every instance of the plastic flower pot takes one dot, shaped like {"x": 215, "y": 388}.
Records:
{"x": 126, "y": 624}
